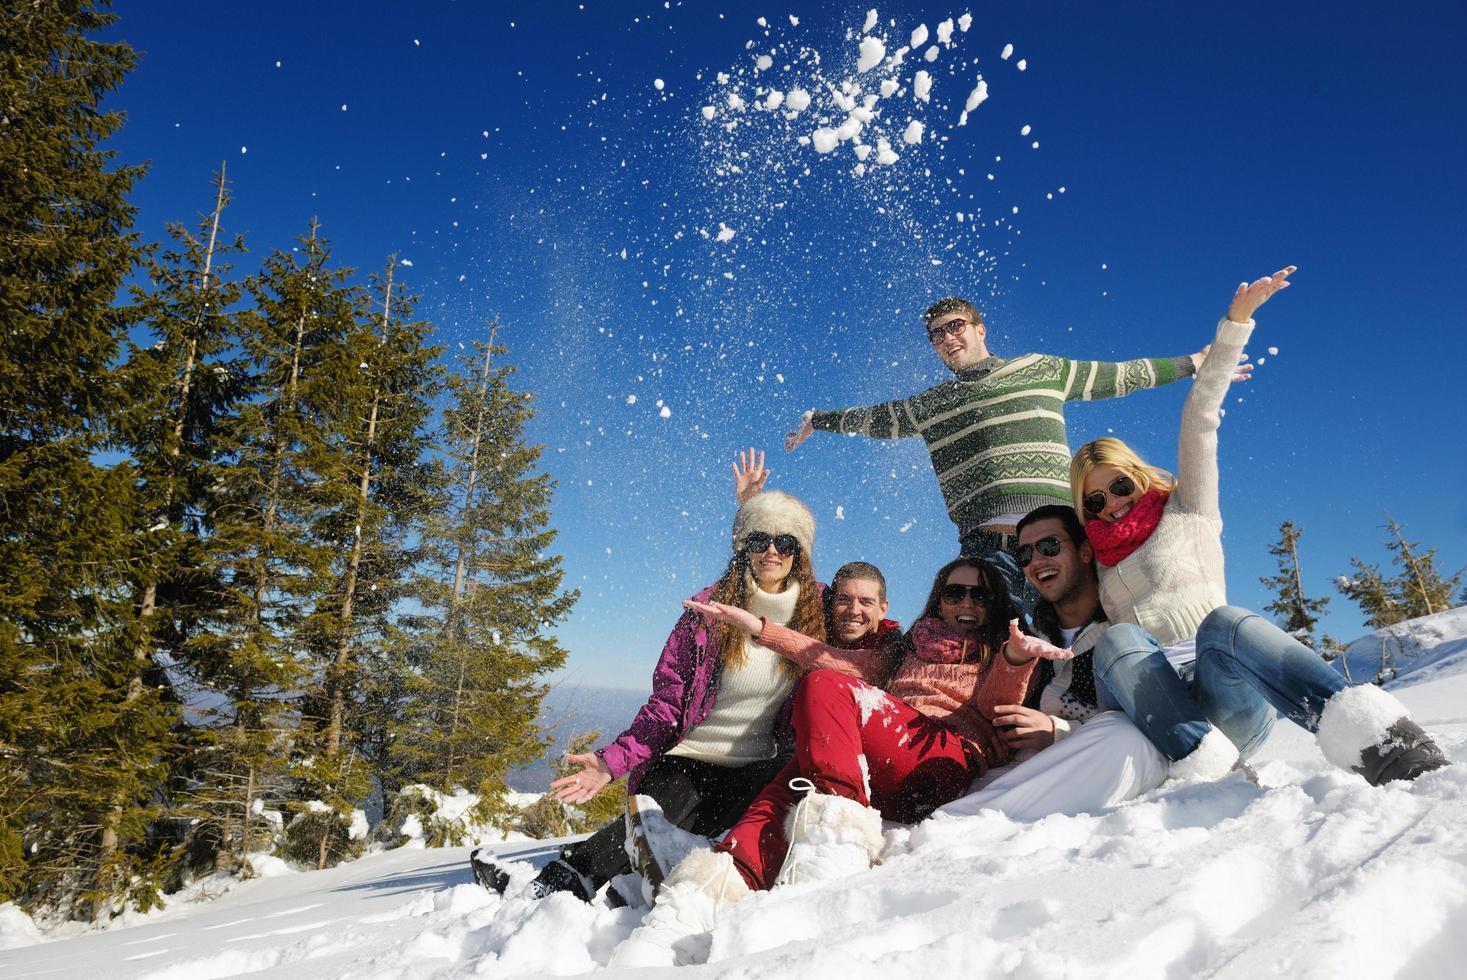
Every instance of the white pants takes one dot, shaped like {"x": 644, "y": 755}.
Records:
{"x": 1104, "y": 762}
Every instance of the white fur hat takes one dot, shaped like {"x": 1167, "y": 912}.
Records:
{"x": 775, "y": 512}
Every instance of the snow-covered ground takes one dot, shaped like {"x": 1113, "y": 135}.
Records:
{"x": 1312, "y": 873}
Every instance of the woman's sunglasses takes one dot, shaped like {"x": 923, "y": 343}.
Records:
{"x": 1121, "y": 486}
{"x": 954, "y": 594}
{"x": 1048, "y": 547}
{"x": 759, "y": 542}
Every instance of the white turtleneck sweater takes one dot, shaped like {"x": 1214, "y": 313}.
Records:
{"x": 739, "y": 728}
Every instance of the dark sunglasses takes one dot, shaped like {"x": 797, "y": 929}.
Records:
{"x": 957, "y": 593}
{"x": 952, "y": 327}
{"x": 1121, "y": 486}
{"x": 759, "y": 542}
{"x": 1048, "y": 547}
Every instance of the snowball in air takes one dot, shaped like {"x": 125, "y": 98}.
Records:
{"x": 658, "y": 84}
{"x": 872, "y": 51}
{"x": 825, "y": 139}
{"x": 1008, "y": 51}
{"x": 913, "y": 133}
{"x": 922, "y": 86}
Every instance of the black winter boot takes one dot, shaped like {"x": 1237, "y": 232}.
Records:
{"x": 1406, "y": 753}
{"x": 557, "y": 876}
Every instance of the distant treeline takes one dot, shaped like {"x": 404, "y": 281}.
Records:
{"x": 263, "y": 551}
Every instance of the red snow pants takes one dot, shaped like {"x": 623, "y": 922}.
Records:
{"x": 913, "y": 765}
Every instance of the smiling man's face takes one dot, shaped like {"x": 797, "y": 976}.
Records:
{"x": 959, "y": 339}
{"x": 1060, "y": 577}
{"x": 856, "y": 609}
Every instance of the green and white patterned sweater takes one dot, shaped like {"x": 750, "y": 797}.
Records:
{"x": 996, "y": 434}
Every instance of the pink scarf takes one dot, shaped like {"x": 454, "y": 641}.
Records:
{"x": 934, "y": 642}
{"x": 1113, "y": 543}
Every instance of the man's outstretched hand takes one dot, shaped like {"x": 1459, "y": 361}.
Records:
{"x": 793, "y": 439}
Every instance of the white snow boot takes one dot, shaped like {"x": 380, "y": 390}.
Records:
{"x": 676, "y": 931}
{"x": 1213, "y": 758}
{"x": 655, "y": 845}
{"x": 1366, "y": 730}
{"x": 830, "y": 837}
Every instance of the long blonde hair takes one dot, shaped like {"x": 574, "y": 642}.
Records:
{"x": 1113, "y": 452}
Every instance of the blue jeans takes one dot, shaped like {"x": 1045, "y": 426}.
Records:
{"x": 993, "y": 547}
{"x": 1246, "y": 670}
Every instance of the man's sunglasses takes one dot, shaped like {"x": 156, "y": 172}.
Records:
{"x": 1048, "y": 547}
{"x": 952, "y": 328}
{"x": 1121, "y": 486}
{"x": 759, "y": 542}
{"x": 954, "y": 594}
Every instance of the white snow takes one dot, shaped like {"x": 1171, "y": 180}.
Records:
{"x": 913, "y": 133}
{"x": 1022, "y": 64}
{"x": 1272, "y": 351}
{"x": 725, "y": 233}
{"x": 1310, "y": 874}
{"x": 798, "y": 100}
{"x": 977, "y": 97}
{"x": 921, "y": 86}
{"x": 871, "y": 17}
{"x": 869, "y": 699}
{"x": 872, "y": 51}
{"x": 1008, "y": 52}
{"x": 658, "y": 84}
{"x": 919, "y": 36}
{"x": 945, "y": 32}
{"x": 825, "y": 139}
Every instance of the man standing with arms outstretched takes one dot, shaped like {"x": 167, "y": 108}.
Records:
{"x": 996, "y": 432}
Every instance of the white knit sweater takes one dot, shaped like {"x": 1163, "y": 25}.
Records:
{"x": 1169, "y": 584}
{"x": 739, "y": 728}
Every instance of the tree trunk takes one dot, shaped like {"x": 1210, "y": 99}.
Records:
{"x": 354, "y": 561}
{"x": 460, "y": 568}
{"x": 148, "y": 602}
{"x": 1413, "y": 564}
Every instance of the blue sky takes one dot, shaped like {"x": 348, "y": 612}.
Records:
{"x": 523, "y": 159}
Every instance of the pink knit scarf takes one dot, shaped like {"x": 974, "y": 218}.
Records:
{"x": 1113, "y": 543}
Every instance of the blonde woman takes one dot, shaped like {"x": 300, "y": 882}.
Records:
{"x": 1203, "y": 679}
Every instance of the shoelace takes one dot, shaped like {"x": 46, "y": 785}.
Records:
{"x": 792, "y": 858}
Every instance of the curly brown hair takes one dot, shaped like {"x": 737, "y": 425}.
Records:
{"x": 734, "y": 590}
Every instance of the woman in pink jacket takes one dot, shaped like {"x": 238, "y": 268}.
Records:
{"x": 716, "y": 725}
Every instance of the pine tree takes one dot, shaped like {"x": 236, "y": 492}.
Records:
{"x": 1422, "y": 589}
{"x": 261, "y": 552}
{"x": 493, "y": 595}
{"x": 1297, "y": 614}
{"x": 65, "y": 249}
{"x": 1418, "y": 589}
{"x": 375, "y": 484}
{"x": 181, "y": 388}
